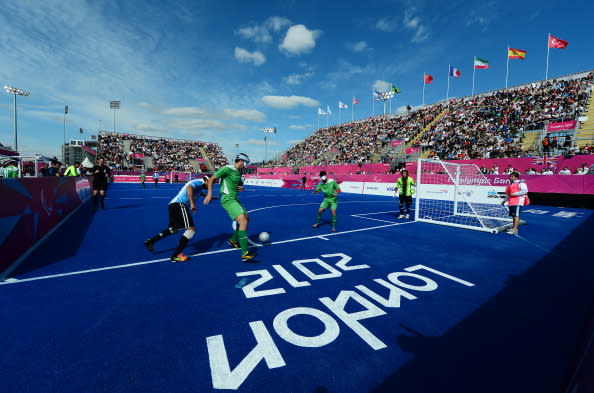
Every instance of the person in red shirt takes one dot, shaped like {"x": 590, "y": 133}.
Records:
{"x": 516, "y": 195}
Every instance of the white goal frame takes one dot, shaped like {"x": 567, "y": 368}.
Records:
{"x": 453, "y": 202}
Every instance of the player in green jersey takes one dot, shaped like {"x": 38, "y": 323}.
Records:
{"x": 330, "y": 189}
{"x": 231, "y": 184}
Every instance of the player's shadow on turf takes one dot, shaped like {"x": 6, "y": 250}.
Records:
{"x": 201, "y": 245}
{"x": 523, "y": 339}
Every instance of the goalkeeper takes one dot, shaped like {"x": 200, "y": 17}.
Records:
{"x": 405, "y": 188}
{"x": 330, "y": 189}
{"x": 231, "y": 184}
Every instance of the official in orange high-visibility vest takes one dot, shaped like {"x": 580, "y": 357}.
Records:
{"x": 516, "y": 195}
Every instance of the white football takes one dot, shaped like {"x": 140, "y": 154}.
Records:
{"x": 264, "y": 236}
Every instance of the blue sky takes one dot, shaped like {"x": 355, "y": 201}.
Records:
{"x": 223, "y": 71}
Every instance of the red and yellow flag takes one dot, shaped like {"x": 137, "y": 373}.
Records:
{"x": 516, "y": 53}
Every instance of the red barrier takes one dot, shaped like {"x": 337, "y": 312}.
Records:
{"x": 31, "y": 207}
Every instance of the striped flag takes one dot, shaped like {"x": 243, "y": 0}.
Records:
{"x": 454, "y": 72}
{"x": 480, "y": 63}
{"x": 516, "y": 53}
{"x": 428, "y": 78}
{"x": 355, "y": 101}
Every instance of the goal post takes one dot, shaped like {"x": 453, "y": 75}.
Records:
{"x": 458, "y": 195}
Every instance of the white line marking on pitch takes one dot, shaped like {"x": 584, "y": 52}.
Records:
{"x": 17, "y": 281}
{"x": 322, "y": 237}
{"x": 130, "y": 198}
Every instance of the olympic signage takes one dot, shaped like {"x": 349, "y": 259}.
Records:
{"x": 561, "y": 126}
{"x": 331, "y": 311}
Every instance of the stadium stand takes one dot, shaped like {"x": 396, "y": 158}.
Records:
{"x": 129, "y": 151}
{"x": 505, "y": 123}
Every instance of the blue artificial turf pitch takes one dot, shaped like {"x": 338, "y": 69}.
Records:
{"x": 382, "y": 305}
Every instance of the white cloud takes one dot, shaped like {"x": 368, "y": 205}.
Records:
{"x": 297, "y": 79}
{"x": 483, "y": 15}
{"x": 381, "y": 86}
{"x": 184, "y": 111}
{"x": 299, "y": 39}
{"x": 303, "y": 127}
{"x": 244, "y": 56}
{"x": 412, "y": 22}
{"x": 260, "y": 34}
{"x": 360, "y": 46}
{"x": 204, "y": 124}
{"x": 386, "y": 24}
{"x": 286, "y": 102}
{"x": 246, "y": 114}
{"x": 257, "y": 34}
{"x": 277, "y": 23}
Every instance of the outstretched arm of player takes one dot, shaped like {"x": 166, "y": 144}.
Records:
{"x": 209, "y": 183}
{"x": 190, "y": 192}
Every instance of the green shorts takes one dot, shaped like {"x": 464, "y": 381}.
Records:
{"x": 232, "y": 206}
{"x": 332, "y": 203}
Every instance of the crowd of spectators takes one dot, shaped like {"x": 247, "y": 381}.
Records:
{"x": 493, "y": 125}
{"x": 490, "y": 125}
{"x": 167, "y": 154}
{"x": 357, "y": 142}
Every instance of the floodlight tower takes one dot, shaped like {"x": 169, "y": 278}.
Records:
{"x": 16, "y": 92}
{"x": 114, "y": 105}
{"x": 266, "y": 137}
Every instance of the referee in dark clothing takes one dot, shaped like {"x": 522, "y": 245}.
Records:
{"x": 100, "y": 174}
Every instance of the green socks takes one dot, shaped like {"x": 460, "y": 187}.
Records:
{"x": 319, "y": 218}
{"x": 243, "y": 241}
{"x": 234, "y": 237}
{"x": 333, "y": 221}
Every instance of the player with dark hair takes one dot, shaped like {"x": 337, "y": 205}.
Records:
{"x": 180, "y": 218}
{"x": 405, "y": 188}
{"x": 330, "y": 189}
{"x": 100, "y": 174}
{"x": 516, "y": 194}
{"x": 231, "y": 184}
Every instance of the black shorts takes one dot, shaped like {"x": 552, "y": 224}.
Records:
{"x": 514, "y": 211}
{"x": 405, "y": 199}
{"x": 99, "y": 185}
{"x": 179, "y": 216}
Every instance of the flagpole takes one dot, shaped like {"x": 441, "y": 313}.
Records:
{"x": 548, "y": 50}
{"x": 424, "y": 89}
{"x": 373, "y": 103}
{"x": 353, "y": 110}
{"x": 338, "y": 114}
{"x": 507, "y": 68}
{"x": 473, "y": 74}
{"x": 448, "y": 91}
{"x": 318, "y": 120}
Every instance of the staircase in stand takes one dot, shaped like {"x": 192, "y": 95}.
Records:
{"x": 585, "y": 134}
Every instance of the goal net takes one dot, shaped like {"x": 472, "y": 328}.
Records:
{"x": 458, "y": 195}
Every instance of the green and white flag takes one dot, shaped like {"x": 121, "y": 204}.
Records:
{"x": 480, "y": 63}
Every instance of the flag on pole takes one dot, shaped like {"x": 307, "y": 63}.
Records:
{"x": 355, "y": 101}
{"x": 454, "y": 72}
{"x": 428, "y": 78}
{"x": 377, "y": 96}
{"x": 328, "y": 111}
{"x": 342, "y": 105}
{"x": 480, "y": 63}
{"x": 516, "y": 53}
{"x": 558, "y": 43}
{"x": 66, "y": 110}
{"x": 395, "y": 89}
{"x": 321, "y": 112}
